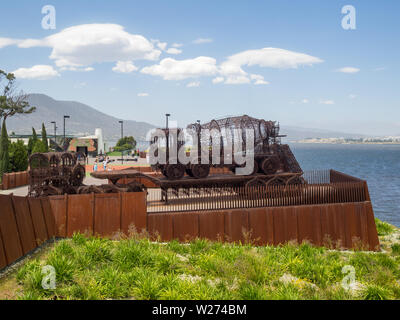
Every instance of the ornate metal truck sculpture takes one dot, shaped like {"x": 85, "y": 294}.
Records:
{"x": 270, "y": 156}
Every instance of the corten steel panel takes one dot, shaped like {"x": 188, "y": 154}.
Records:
{"x": 372, "y": 232}
{"x": 236, "y": 225}
{"x": 160, "y": 224}
{"x": 107, "y": 214}
{"x": 291, "y": 223}
{"x": 327, "y": 225}
{"x": 24, "y": 223}
{"x": 39, "y": 224}
{"x": 285, "y": 225}
{"x": 279, "y": 226}
{"x": 332, "y": 225}
{"x": 185, "y": 226}
{"x": 3, "y": 260}
{"x": 80, "y": 214}
{"x": 261, "y": 225}
{"x": 18, "y": 179}
{"x": 352, "y": 225}
{"x": 5, "y": 181}
{"x": 316, "y": 220}
{"x": 212, "y": 225}
{"x": 340, "y": 225}
{"x": 140, "y": 210}
{"x": 9, "y": 230}
{"x": 59, "y": 208}
{"x": 362, "y": 215}
{"x": 49, "y": 217}
{"x": 25, "y": 178}
{"x": 11, "y": 180}
{"x": 129, "y": 213}
{"x": 306, "y": 226}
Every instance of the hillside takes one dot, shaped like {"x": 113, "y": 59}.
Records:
{"x": 84, "y": 119}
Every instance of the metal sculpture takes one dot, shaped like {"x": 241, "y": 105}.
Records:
{"x": 54, "y": 173}
{"x": 270, "y": 156}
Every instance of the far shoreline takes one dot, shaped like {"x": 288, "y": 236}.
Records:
{"x": 361, "y": 143}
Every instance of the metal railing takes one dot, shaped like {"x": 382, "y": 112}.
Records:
{"x": 321, "y": 187}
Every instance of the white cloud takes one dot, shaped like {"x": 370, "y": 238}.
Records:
{"x": 258, "y": 79}
{"x": 265, "y": 57}
{"x": 171, "y": 69}
{"x": 4, "y": 42}
{"x": 162, "y": 45}
{"x": 218, "y": 80}
{"x": 270, "y": 58}
{"x": 327, "y": 102}
{"x": 143, "y": 94}
{"x": 177, "y": 45}
{"x": 202, "y": 40}
{"x": 79, "y": 69}
{"x": 193, "y": 84}
{"x": 39, "y": 72}
{"x": 305, "y": 101}
{"x": 124, "y": 67}
{"x": 237, "y": 80}
{"x": 348, "y": 70}
{"x": 174, "y": 51}
{"x": 87, "y": 44}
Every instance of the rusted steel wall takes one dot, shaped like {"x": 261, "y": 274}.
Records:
{"x": 24, "y": 224}
{"x": 14, "y": 179}
{"x": 99, "y": 214}
{"x": 341, "y": 225}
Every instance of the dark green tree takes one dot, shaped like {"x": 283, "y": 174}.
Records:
{"x": 125, "y": 143}
{"x": 34, "y": 136}
{"x": 39, "y": 147}
{"x": 4, "y": 157}
{"x": 32, "y": 141}
{"x": 12, "y": 103}
{"x": 44, "y": 137}
{"x": 30, "y": 145}
{"x": 18, "y": 154}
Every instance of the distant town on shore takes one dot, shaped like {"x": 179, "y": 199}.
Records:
{"x": 378, "y": 140}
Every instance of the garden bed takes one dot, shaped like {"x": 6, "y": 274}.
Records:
{"x": 137, "y": 268}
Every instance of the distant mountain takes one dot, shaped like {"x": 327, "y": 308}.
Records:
{"x": 84, "y": 120}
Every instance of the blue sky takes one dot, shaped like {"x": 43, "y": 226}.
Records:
{"x": 281, "y": 60}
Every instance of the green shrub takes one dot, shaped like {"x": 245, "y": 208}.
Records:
{"x": 39, "y": 147}
{"x": 374, "y": 292}
{"x": 396, "y": 248}
{"x": 383, "y": 228}
{"x": 18, "y": 154}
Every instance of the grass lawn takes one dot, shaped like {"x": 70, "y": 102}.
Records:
{"x": 136, "y": 268}
{"x": 114, "y": 153}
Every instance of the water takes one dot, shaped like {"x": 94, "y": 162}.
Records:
{"x": 378, "y": 164}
